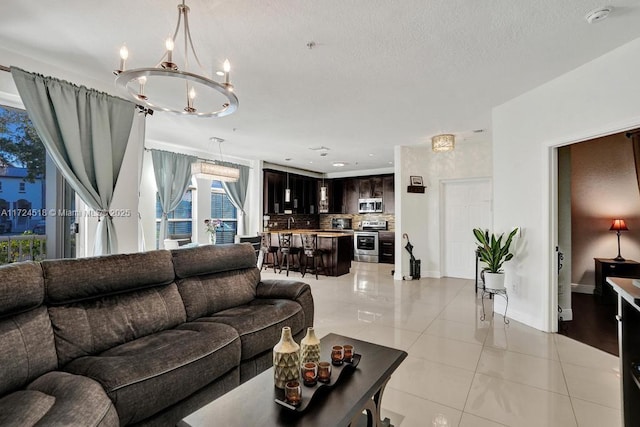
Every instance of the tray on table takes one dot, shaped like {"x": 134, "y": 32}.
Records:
{"x": 308, "y": 392}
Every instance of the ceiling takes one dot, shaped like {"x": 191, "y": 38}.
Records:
{"x": 381, "y": 74}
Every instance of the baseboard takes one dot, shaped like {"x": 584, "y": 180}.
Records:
{"x": 582, "y": 289}
{"x": 516, "y": 315}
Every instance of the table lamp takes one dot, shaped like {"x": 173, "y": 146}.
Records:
{"x": 618, "y": 226}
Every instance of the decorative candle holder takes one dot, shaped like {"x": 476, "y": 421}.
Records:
{"x": 337, "y": 355}
{"x": 293, "y": 393}
{"x": 310, "y": 373}
{"x": 324, "y": 372}
{"x": 348, "y": 353}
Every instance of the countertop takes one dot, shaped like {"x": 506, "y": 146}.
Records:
{"x": 320, "y": 233}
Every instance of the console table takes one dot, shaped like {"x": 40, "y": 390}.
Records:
{"x": 628, "y": 326}
{"x": 607, "y": 267}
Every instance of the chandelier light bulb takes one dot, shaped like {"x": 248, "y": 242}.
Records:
{"x": 192, "y": 94}
{"x": 124, "y": 54}
{"x": 142, "y": 80}
{"x": 226, "y": 67}
{"x": 169, "y": 45}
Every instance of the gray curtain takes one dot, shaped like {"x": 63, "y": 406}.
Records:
{"x": 237, "y": 192}
{"x": 86, "y": 133}
{"x": 173, "y": 175}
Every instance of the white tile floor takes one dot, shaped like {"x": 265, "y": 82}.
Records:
{"x": 476, "y": 374}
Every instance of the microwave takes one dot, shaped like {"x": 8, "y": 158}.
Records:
{"x": 370, "y": 205}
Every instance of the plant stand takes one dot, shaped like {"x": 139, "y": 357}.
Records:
{"x": 491, "y": 293}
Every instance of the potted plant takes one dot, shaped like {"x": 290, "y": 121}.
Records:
{"x": 493, "y": 253}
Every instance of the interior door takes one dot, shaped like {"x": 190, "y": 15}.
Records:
{"x": 467, "y": 204}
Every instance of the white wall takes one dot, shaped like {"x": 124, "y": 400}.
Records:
{"x": 419, "y": 215}
{"x": 593, "y": 100}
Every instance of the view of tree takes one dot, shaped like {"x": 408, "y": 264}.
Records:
{"x": 19, "y": 143}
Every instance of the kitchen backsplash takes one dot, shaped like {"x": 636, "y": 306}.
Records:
{"x": 325, "y": 219}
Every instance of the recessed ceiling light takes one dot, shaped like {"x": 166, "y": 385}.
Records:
{"x": 370, "y": 154}
{"x": 598, "y": 14}
{"x": 339, "y": 164}
{"x": 390, "y": 163}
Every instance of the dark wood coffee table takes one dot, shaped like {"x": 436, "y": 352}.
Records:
{"x": 253, "y": 403}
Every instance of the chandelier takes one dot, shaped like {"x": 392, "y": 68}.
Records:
{"x": 213, "y": 170}
{"x": 166, "y": 87}
{"x": 443, "y": 142}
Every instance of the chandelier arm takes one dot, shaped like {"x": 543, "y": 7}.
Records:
{"x": 193, "y": 49}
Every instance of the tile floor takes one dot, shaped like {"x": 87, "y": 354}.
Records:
{"x": 471, "y": 373}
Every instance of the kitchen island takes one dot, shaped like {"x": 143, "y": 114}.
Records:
{"x": 338, "y": 247}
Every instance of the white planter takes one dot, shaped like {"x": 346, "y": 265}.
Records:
{"x": 493, "y": 280}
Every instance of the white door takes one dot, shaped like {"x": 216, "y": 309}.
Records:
{"x": 467, "y": 204}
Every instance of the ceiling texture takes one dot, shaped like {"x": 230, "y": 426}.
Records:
{"x": 381, "y": 73}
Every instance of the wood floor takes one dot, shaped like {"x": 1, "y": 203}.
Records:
{"x": 593, "y": 323}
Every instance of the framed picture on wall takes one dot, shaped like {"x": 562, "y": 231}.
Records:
{"x": 416, "y": 180}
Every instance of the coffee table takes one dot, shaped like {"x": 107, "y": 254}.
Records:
{"x": 253, "y": 403}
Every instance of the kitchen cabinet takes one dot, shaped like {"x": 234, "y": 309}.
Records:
{"x": 304, "y": 193}
{"x": 351, "y": 195}
{"x": 335, "y": 194}
{"x": 370, "y": 187}
{"x": 388, "y": 194}
{"x": 386, "y": 249}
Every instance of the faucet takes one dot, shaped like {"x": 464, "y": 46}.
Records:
{"x": 289, "y": 221}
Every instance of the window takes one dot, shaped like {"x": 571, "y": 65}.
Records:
{"x": 222, "y": 209}
{"x": 23, "y": 209}
{"x": 179, "y": 221}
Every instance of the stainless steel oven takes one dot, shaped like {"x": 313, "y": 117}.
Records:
{"x": 365, "y": 241}
{"x": 365, "y": 246}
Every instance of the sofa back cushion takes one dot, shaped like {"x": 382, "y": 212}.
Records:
{"x": 101, "y": 302}
{"x": 27, "y": 347}
{"x": 212, "y": 278}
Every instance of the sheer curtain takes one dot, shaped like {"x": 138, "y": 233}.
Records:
{"x": 237, "y": 192}
{"x": 173, "y": 175}
{"x": 86, "y": 133}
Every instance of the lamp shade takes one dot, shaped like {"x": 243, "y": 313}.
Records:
{"x": 618, "y": 225}
{"x": 444, "y": 142}
{"x": 214, "y": 171}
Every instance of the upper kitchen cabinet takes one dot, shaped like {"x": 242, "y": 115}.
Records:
{"x": 274, "y": 184}
{"x": 351, "y": 195}
{"x": 388, "y": 194}
{"x": 303, "y": 193}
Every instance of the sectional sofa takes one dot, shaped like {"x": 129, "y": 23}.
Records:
{"x": 137, "y": 339}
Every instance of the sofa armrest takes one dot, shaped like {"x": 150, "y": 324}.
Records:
{"x": 299, "y": 292}
{"x": 287, "y": 289}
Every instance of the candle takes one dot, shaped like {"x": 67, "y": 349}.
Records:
{"x": 337, "y": 354}
{"x": 309, "y": 373}
{"x": 293, "y": 393}
{"x": 324, "y": 372}
{"x": 348, "y": 353}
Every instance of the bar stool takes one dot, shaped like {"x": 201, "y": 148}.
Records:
{"x": 287, "y": 250}
{"x": 268, "y": 249}
{"x": 310, "y": 250}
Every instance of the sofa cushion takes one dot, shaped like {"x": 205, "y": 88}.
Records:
{"x": 27, "y": 349}
{"x": 147, "y": 375}
{"x": 260, "y": 323}
{"x": 21, "y": 287}
{"x": 59, "y": 399}
{"x": 71, "y": 280}
{"x": 209, "y": 259}
{"x": 90, "y": 327}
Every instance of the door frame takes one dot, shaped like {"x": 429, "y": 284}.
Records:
{"x": 442, "y": 185}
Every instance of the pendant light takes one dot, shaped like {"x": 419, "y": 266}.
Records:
{"x": 323, "y": 191}
{"x": 287, "y": 191}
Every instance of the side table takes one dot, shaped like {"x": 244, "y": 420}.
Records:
{"x": 491, "y": 293}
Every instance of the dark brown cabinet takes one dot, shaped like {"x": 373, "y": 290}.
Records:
{"x": 303, "y": 189}
{"x": 607, "y": 267}
{"x": 388, "y": 194}
{"x": 351, "y": 195}
{"x": 386, "y": 250}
